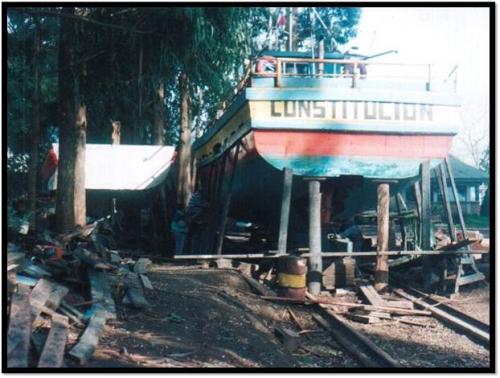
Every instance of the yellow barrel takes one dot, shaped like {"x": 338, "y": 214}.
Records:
{"x": 292, "y": 272}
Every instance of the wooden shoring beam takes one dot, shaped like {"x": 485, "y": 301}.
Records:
{"x": 418, "y": 200}
{"x": 315, "y": 259}
{"x": 382, "y": 265}
{"x": 218, "y": 179}
{"x": 446, "y": 202}
{"x": 227, "y": 202}
{"x": 457, "y": 198}
{"x": 425, "y": 222}
{"x": 426, "y": 205}
{"x": 285, "y": 209}
{"x": 401, "y": 206}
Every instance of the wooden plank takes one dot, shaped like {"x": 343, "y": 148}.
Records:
{"x": 464, "y": 280}
{"x": 135, "y": 292}
{"x": 365, "y": 319}
{"x": 85, "y": 347}
{"x": 371, "y": 295}
{"x": 53, "y": 351}
{"x": 46, "y": 292}
{"x": 385, "y": 308}
{"x": 381, "y": 315}
{"x": 365, "y": 340}
{"x": 260, "y": 288}
{"x": 101, "y": 291}
{"x": 345, "y": 342}
{"x": 19, "y": 331}
{"x": 400, "y": 304}
{"x": 382, "y": 264}
{"x": 440, "y": 314}
{"x": 285, "y": 210}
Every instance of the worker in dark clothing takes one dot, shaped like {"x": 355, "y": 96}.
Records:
{"x": 179, "y": 229}
{"x": 197, "y": 220}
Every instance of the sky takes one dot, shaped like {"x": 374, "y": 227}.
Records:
{"x": 442, "y": 37}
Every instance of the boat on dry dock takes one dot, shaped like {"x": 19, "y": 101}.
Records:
{"x": 349, "y": 122}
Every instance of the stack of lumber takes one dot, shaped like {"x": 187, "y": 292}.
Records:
{"x": 44, "y": 285}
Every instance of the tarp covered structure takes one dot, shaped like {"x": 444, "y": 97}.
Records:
{"x": 125, "y": 167}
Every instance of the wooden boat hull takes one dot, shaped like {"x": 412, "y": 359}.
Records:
{"x": 349, "y": 139}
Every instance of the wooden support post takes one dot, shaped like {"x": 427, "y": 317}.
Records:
{"x": 382, "y": 265}
{"x": 418, "y": 200}
{"x": 457, "y": 199}
{"x": 285, "y": 210}
{"x": 426, "y": 205}
{"x": 218, "y": 179}
{"x": 446, "y": 203}
{"x": 401, "y": 206}
{"x": 227, "y": 203}
{"x": 425, "y": 221}
{"x": 315, "y": 261}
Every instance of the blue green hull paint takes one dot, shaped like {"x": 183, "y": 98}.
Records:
{"x": 332, "y": 166}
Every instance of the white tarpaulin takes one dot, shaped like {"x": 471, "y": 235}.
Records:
{"x": 125, "y": 167}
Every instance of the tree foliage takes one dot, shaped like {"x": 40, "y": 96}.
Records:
{"x": 119, "y": 56}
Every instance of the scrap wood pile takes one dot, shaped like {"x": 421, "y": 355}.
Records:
{"x": 372, "y": 308}
{"x": 63, "y": 290}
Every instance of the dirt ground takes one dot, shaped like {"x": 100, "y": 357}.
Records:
{"x": 212, "y": 318}
{"x": 434, "y": 345}
{"x": 191, "y": 324}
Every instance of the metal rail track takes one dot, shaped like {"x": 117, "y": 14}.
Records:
{"x": 475, "y": 329}
{"x": 360, "y": 346}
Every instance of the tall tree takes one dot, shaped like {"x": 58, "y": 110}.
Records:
{"x": 71, "y": 194}
{"x": 35, "y": 132}
{"x": 159, "y": 117}
{"x": 65, "y": 211}
{"x": 184, "y": 173}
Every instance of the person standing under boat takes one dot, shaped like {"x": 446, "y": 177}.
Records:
{"x": 179, "y": 229}
{"x": 196, "y": 218}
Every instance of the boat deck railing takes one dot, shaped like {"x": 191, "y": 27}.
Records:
{"x": 343, "y": 73}
{"x": 356, "y": 72}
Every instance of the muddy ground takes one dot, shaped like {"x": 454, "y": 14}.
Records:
{"x": 212, "y": 318}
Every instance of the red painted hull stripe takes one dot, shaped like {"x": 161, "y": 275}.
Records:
{"x": 290, "y": 143}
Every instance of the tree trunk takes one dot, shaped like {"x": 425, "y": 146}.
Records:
{"x": 159, "y": 119}
{"x": 81, "y": 140}
{"x": 184, "y": 174}
{"x": 65, "y": 211}
{"x": 35, "y": 132}
{"x": 138, "y": 126}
